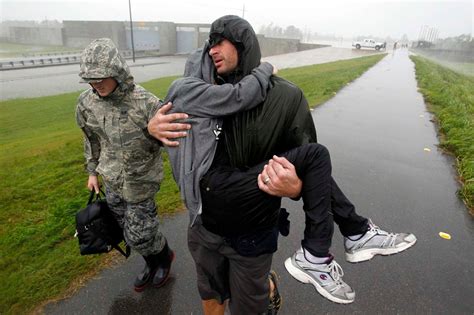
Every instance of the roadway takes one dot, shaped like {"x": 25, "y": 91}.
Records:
{"x": 54, "y": 80}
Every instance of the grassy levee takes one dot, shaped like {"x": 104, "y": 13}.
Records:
{"x": 321, "y": 82}
{"x": 43, "y": 185}
{"x": 450, "y": 97}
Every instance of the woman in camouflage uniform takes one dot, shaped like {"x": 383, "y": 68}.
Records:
{"x": 113, "y": 114}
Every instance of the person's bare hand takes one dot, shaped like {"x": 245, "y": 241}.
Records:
{"x": 275, "y": 70}
{"x": 93, "y": 183}
{"x": 279, "y": 178}
{"x": 164, "y": 128}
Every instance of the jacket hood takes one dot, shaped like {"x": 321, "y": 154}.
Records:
{"x": 101, "y": 59}
{"x": 199, "y": 65}
{"x": 240, "y": 33}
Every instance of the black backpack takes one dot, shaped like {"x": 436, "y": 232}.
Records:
{"x": 97, "y": 229}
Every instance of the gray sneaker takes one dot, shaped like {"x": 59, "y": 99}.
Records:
{"x": 377, "y": 242}
{"x": 326, "y": 277}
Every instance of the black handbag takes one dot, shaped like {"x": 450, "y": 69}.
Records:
{"x": 97, "y": 229}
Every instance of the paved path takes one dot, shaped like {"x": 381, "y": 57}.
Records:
{"x": 62, "y": 79}
{"x": 376, "y": 130}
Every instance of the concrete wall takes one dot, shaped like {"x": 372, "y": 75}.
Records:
{"x": 307, "y": 46}
{"x": 202, "y": 37}
{"x": 31, "y": 32}
{"x": 78, "y": 34}
{"x": 197, "y": 33}
{"x": 269, "y": 46}
{"x": 186, "y": 41}
{"x": 153, "y": 36}
{"x": 5, "y": 30}
{"x": 145, "y": 36}
{"x": 161, "y": 37}
{"x": 167, "y": 35}
{"x": 36, "y": 35}
{"x": 276, "y": 46}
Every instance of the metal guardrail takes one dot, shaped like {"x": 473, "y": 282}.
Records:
{"x": 50, "y": 53}
{"x": 60, "y": 60}
{"x": 38, "y": 62}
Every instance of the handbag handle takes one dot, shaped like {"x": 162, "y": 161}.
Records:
{"x": 91, "y": 196}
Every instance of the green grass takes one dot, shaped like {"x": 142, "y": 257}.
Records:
{"x": 450, "y": 97}
{"x": 466, "y": 68}
{"x": 321, "y": 82}
{"x": 43, "y": 183}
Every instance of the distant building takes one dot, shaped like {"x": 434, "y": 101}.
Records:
{"x": 163, "y": 38}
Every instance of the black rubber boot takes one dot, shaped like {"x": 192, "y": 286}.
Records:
{"x": 146, "y": 276}
{"x": 165, "y": 258}
{"x": 156, "y": 270}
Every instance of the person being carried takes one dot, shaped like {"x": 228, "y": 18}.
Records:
{"x": 113, "y": 115}
{"x": 233, "y": 207}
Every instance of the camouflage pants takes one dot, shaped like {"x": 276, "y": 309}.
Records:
{"x": 139, "y": 222}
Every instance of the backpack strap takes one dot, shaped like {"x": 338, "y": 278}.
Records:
{"x": 125, "y": 253}
{"x": 127, "y": 250}
{"x": 97, "y": 196}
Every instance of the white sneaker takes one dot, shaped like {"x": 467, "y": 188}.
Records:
{"x": 326, "y": 277}
{"x": 376, "y": 242}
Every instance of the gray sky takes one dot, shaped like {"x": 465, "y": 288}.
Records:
{"x": 340, "y": 17}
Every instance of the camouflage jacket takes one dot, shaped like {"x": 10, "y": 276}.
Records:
{"x": 116, "y": 141}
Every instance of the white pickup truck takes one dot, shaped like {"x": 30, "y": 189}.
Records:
{"x": 368, "y": 43}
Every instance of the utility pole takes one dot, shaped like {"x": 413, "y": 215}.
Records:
{"x": 243, "y": 11}
{"x": 131, "y": 31}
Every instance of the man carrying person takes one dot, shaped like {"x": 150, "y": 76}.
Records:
{"x": 113, "y": 115}
{"x": 236, "y": 227}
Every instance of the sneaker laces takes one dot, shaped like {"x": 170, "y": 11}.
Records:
{"x": 336, "y": 272}
{"x": 333, "y": 268}
{"x": 390, "y": 237}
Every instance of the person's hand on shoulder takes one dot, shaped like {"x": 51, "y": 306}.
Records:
{"x": 164, "y": 128}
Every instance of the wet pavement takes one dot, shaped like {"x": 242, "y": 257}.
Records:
{"x": 378, "y": 132}
{"x": 62, "y": 79}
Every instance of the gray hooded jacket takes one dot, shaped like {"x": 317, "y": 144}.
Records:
{"x": 206, "y": 104}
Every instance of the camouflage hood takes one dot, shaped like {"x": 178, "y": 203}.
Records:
{"x": 101, "y": 59}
